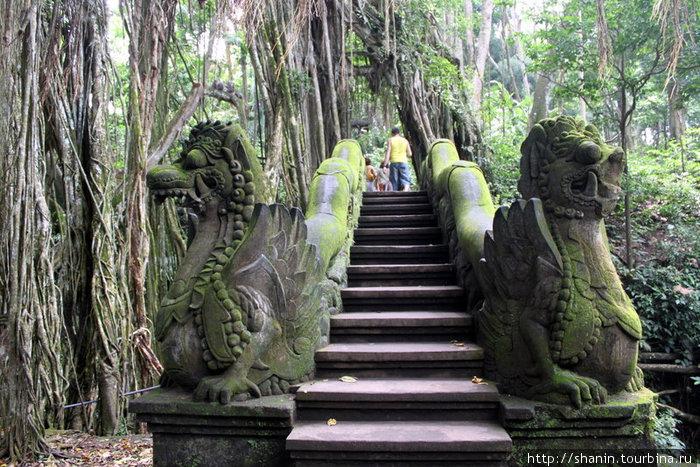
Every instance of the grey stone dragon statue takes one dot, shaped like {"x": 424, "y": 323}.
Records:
{"x": 242, "y": 317}
{"x": 556, "y": 324}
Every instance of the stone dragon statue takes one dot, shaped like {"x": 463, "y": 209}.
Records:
{"x": 556, "y": 324}
{"x": 247, "y": 306}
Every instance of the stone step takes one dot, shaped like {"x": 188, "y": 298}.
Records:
{"x": 399, "y": 359}
{"x": 403, "y": 298}
{"x": 400, "y": 443}
{"x": 395, "y": 197}
{"x": 400, "y": 274}
{"x": 398, "y": 254}
{"x": 395, "y": 209}
{"x": 408, "y": 220}
{"x": 398, "y": 236}
{"x": 397, "y": 399}
{"x": 397, "y": 326}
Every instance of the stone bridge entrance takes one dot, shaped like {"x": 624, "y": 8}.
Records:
{"x": 400, "y": 382}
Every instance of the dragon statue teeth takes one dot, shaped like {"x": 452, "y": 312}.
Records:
{"x": 556, "y": 324}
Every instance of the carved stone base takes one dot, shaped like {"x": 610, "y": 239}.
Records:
{"x": 247, "y": 434}
{"x": 597, "y": 434}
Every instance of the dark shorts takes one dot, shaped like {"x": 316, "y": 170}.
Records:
{"x": 400, "y": 175}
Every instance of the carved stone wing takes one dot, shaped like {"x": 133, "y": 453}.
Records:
{"x": 280, "y": 273}
{"x": 258, "y": 291}
{"x": 521, "y": 258}
{"x": 521, "y": 272}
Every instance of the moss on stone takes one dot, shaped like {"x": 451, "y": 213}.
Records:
{"x": 350, "y": 151}
{"x": 442, "y": 154}
{"x": 471, "y": 204}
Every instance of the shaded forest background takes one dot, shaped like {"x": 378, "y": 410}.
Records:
{"x": 94, "y": 95}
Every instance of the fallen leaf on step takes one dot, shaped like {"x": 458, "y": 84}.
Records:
{"x": 332, "y": 422}
{"x": 459, "y": 344}
{"x": 348, "y": 379}
{"x": 478, "y": 380}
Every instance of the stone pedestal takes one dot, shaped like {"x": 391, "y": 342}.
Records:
{"x": 592, "y": 435}
{"x": 188, "y": 433}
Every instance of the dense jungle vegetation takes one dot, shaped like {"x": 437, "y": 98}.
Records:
{"x": 95, "y": 93}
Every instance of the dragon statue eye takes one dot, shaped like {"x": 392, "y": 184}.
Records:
{"x": 617, "y": 155}
{"x": 588, "y": 153}
{"x": 195, "y": 159}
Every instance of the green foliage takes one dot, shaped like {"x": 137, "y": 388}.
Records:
{"x": 445, "y": 77}
{"x": 501, "y": 169}
{"x": 668, "y": 308}
{"x": 660, "y": 192}
{"x": 665, "y": 284}
{"x": 373, "y": 144}
{"x": 429, "y": 27}
{"x": 299, "y": 82}
{"x": 506, "y": 122}
{"x": 567, "y": 46}
{"x": 666, "y": 433}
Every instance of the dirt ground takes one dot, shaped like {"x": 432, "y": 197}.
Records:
{"x": 77, "y": 448}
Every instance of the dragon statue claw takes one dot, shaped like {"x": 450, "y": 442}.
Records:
{"x": 578, "y": 389}
{"x": 637, "y": 381}
{"x": 225, "y": 389}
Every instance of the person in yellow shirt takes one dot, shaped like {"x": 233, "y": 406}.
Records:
{"x": 397, "y": 153}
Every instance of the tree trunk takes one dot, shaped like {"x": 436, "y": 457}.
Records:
{"x": 482, "y": 51}
{"x": 424, "y": 113}
{"x": 505, "y": 26}
{"x": 676, "y": 116}
{"x": 305, "y": 101}
{"x": 32, "y": 386}
{"x": 243, "y": 115}
{"x": 75, "y": 106}
{"x": 468, "y": 41}
{"x": 517, "y": 28}
{"x": 581, "y": 75}
{"x": 540, "y": 100}
{"x": 623, "y": 128}
{"x": 330, "y": 78}
{"x": 148, "y": 24}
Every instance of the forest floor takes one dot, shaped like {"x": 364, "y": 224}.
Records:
{"x": 77, "y": 448}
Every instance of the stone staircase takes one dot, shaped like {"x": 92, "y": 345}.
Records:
{"x": 405, "y": 340}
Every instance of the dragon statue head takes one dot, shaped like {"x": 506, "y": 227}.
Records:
{"x": 567, "y": 165}
{"x": 209, "y": 172}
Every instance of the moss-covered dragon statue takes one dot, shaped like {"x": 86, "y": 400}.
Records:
{"x": 555, "y": 324}
{"x": 556, "y": 317}
{"x": 251, "y": 299}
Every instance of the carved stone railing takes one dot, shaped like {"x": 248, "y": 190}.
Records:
{"x": 461, "y": 198}
{"x": 333, "y": 209}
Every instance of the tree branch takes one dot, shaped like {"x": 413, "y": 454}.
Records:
{"x": 223, "y": 96}
{"x": 686, "y": 417}
{"x": 158, "y": 150}
{"x": 670, "y": 368}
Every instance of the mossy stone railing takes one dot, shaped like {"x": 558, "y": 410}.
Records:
{"x": 334, "y": 199}
{"x": 461, "y": 198}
